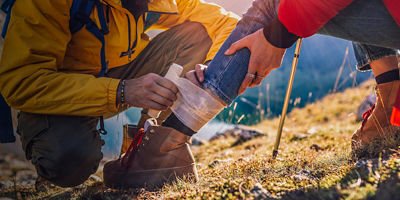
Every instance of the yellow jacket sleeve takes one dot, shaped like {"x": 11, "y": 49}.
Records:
{"x": 218, "y": 22}
{"x": 34, "y": 49}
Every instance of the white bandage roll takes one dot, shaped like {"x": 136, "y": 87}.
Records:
{"x": 174, "y": 72}
{"x": 194, "y": 106}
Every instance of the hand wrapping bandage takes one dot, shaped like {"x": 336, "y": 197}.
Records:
{"x": 194, "y": 106}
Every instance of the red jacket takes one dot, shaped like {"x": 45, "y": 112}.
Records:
{"x": 303, "y": 18}
{"x": 313, "y": 14}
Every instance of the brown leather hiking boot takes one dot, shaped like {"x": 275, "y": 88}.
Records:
{"x": 155, "y": 157}
{"x": 376, "y": 124}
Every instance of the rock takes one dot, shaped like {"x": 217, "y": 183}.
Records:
{"x": 25, "y": 178}
{"x": 43, "y": 185}
{"x": 258, "y": 192}
{"x": 216, "y": 162}
{"x": 197, "y": 141}
{"x": 245, "y": 134}
{"x": 245, "y": 159}
{"x": 227, "y": 153}
{"x": 316, "y": 147}
{"x": 5, "y": 172}
{"x": 312, "y": 131}
{"x": 299, "y": 177}
{"x": 226, "y": 134}
{"x": 299, "y": 136}
{"x": 6, "y": 184}
{"x": 303, "y": 175}
{"x": 95, "y": 178}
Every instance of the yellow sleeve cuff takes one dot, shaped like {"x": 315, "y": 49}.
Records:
{"x": 112, "y": 95}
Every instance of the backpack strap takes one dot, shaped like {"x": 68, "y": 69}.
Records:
{"x": 6, "y": 126}
{"x": 6, "y": 8}
{"x": 80, "y": 16}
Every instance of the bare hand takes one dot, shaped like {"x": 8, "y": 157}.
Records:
{"x": 263, "y": 59}
{"x": 150, "y": 91}
{"x": 197, "y": 76}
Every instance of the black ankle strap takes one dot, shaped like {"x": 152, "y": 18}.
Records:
{"x": 387, "y": 77}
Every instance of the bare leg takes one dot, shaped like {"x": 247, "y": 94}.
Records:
{"x": 383, "y": 65}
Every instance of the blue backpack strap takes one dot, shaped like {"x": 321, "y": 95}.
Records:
{"x": 80, "y": 16}
{"x": 6, "y": 8}
{"x": 6, "y": 127}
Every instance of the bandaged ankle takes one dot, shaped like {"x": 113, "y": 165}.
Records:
{"x": 194, "y": 106}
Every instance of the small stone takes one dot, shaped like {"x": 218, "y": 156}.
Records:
{"x": 5, "y": 172}
{"x": 258, "y": 192}
{"x": 6, "y": 184}
{"x": 26, "y": 176}
{"x": 197, "y": 141}
{"x": 43, "y": 185}
{"x": 227, "y": 153}
{"x": 216, "y": 162}
{"x": 299, "y": 136}
{"x": 246, "y": 159}
{"x": 245, "y": 134}
{"x": 361, "y": 163}
{"x": 312, "y": 130}
{"x": 299, "y": 177}
{"x": 316, "y": 147}
{"x": 95, "y": 178}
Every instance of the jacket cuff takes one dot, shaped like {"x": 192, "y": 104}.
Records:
{"x": 112, "y": 95}
{"x": 277, "y": 34}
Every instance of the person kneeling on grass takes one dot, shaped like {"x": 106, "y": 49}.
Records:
{"x": 65, "y": 62}
{"x": 267, "y": 29}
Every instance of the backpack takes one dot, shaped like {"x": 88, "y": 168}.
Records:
{"x": 79, "y": 17}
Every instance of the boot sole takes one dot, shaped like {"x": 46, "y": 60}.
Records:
{"x": 147, "y": 178}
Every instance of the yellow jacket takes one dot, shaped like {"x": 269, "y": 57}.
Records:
{"x": 44, "y": 69}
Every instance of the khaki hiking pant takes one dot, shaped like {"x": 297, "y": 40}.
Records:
{"x": 66, "y": 150}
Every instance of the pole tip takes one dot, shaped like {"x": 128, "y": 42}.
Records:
{"x": 274, "y": 154}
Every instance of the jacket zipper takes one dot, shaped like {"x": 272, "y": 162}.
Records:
{"x": 130, "y": 50}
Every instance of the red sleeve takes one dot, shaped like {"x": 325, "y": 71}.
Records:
{"x": 305, "y": 17}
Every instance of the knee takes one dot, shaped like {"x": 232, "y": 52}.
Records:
{"x": 193, "y": 31}
{"x": 70, "y": 167}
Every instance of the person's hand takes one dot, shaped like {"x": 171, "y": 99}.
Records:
{"x": 150, "y": 91}
{"x": 196, "y": 76}
{"x": 263, "y": 59}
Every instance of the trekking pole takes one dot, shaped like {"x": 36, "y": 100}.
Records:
{"x": 287, "y": 98}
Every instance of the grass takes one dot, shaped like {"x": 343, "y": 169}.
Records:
{"x": 318, "y": 166}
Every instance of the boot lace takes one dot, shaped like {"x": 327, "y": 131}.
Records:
{"x": 366, "y": 115}
{"x": 133, "y": 147}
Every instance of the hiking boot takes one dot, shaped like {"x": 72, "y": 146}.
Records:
{"x": 376, "y": 124}
{"x": 157, "y": 156}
